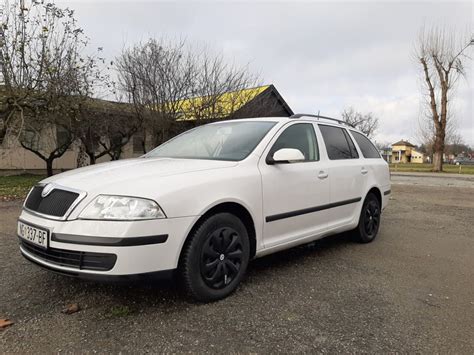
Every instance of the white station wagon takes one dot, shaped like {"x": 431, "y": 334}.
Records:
{"x": 207, "y": 201}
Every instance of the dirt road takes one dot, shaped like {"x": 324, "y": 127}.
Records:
{"x": 411, "y": 290}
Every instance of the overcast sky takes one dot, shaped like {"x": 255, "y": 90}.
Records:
{"x": 321, "y": 56}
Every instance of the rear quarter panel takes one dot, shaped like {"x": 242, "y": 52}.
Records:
{"x": 379, "y": 177}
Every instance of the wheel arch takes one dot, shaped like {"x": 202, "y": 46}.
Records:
{"x": 234, "y": 208}
{"x": 376, "y": 191}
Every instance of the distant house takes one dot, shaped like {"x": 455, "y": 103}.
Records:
{"x": 262, "y": 101}
{"x": 405, "y": 152}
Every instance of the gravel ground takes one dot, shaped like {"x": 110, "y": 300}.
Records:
{"x": 433, "y": 179}
{"x": 411, "y": 290}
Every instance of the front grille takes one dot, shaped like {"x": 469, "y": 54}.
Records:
{"x": 56, "y": 203}
{"x": 81, "y": 260}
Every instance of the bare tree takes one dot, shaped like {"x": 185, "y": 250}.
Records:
{"x": 105, "y": 127}
{"x": 382, "y": 145}
{"x": 48, "y": 80}
{"x": 221, "y": 89}
{"x": 365, "y": 122}
{"x": 455, "y": 145}
{"x": 441, "y": 55}
{"x": 160, "y": 78}
{"x": 154, "y": 77}
{"x": 426, "y": 134}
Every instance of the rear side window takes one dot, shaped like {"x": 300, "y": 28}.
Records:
{"x": 365, "y": 145}
{"x": 352, "y": 146}
{"x": 338, "y": 143}
{"x": 298, "y": 136}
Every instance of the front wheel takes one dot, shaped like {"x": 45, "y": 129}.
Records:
{"x": 215, "y": 258}
{"x": 369, "y": 220}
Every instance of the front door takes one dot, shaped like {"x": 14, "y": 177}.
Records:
{"x": 294, "y": 192}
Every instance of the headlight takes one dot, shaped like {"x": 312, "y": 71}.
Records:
{"x": 121, "y": 208}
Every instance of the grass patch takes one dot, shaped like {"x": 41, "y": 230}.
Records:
{"x": 17, "y": 186}
{"x": 119, "y": 311}
{"x": 425, "y": 168}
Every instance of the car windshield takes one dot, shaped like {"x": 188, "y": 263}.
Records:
{"x": 217, "y": 141}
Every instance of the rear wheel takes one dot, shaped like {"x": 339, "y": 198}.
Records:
{"x": 215, "y": 258}
{"x": 369, "y": 220}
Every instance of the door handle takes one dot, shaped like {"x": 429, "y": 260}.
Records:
{"x": 363, "y": 171}
{"x": 323, "y": 175}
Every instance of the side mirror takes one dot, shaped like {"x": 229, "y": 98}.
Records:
{"x": 286, "y": 155}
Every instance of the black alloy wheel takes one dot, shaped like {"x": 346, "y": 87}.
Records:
{"x": 369, "y": 220}
{"x": 215, "y": 257}
{"x": 221, "y": 257}
{"x": 372, "y": 218}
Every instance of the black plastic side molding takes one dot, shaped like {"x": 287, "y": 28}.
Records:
{"x": 108, "y": 242}
{"x": 276, "y": 217}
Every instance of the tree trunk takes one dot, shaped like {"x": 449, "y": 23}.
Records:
{"x": 81, "y": 157}
{"x": 438, "y": 151}
{"x": 49, "y": 167}
{"x": 91, "y": 158}
{"x": 438, "y": 161}
{"x": 116, "y": 154}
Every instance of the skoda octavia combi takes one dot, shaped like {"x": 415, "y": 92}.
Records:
{"x": 207, "y": 201}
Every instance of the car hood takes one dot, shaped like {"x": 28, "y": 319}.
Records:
{"x": 122, "y": 175}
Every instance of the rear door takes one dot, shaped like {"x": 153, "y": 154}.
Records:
{"x": 378, "y": 173}
{"x": 347, "y": 175}
{"x": 294, "y": 192}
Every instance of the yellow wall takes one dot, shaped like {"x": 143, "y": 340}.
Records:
{"x": 408, "y": 149}
{"x": 402, "y": 155}
{"x": 408, "y": 154}
{"x": 416, "y": 157}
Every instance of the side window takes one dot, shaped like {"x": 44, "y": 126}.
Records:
{"x": 352, "y": 146}
{"x": 365, "y": 145}
{"x": 338, "y": 143}
{"x": 299, "y": 136}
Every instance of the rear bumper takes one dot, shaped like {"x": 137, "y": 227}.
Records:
{"x": 386, "y": 192}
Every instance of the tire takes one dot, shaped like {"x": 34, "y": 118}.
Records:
{"x": 369, "y": 220}
{"x": 215, "y": 258}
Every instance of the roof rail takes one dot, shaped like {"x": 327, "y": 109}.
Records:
{"x": 299, "y": 115}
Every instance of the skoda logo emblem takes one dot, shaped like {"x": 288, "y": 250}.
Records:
{"x": 46, "y": 190}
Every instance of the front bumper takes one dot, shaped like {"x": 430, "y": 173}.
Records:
{"x": 156, "y": 275}
{"x": 140, "y": 247}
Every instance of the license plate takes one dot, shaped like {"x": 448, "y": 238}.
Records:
{"x": 33, "y": 234}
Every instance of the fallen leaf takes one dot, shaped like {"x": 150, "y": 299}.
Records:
{"x": 5, "y": 323}
{"x": 71, "y": 308}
